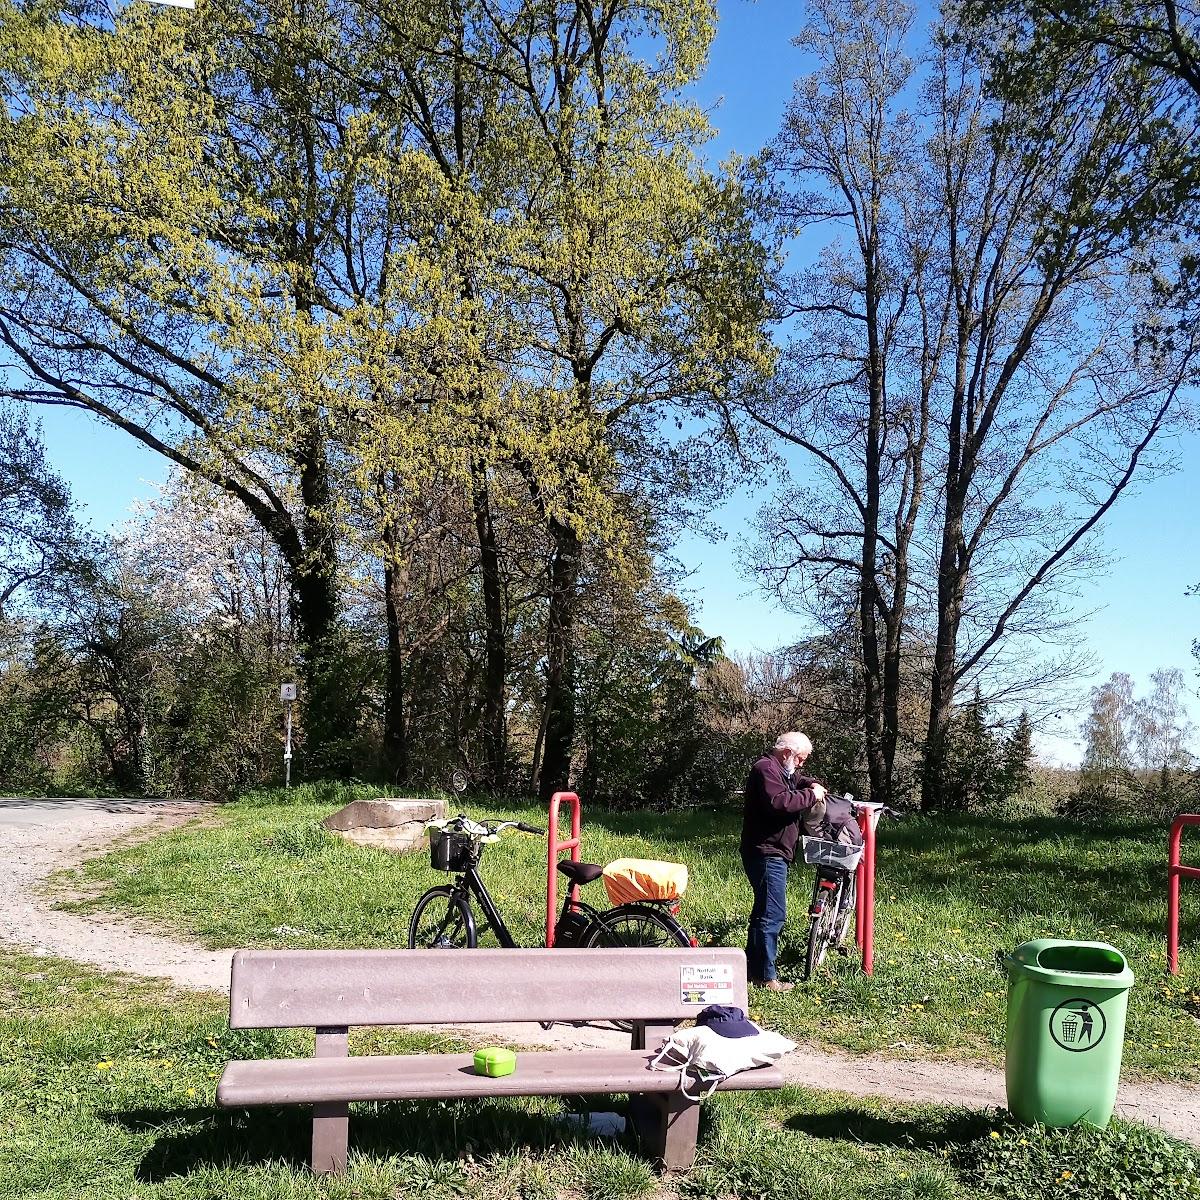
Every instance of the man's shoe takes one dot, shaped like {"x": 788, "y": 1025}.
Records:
{"x": 774, "y": 985}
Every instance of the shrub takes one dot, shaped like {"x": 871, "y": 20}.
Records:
{"x": 1122, "y": 1162}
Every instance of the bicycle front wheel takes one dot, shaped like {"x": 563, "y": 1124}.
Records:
{"x": 442, "y": 920}
{"x": 634, "y": 925}
{"x": 824, "y": 910}
{"x": 849, "y": 901}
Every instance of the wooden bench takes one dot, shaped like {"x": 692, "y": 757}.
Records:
{"x": 333, "y": 990}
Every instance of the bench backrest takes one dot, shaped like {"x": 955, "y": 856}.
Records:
{"x": 274, "y": 989}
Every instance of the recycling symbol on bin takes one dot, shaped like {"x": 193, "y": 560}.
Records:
{"x": 1077, "y": 1025}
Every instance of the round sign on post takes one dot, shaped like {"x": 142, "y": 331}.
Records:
{"x": 287, "y": 693}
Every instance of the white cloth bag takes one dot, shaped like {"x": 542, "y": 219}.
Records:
{"x": 706, "y": 1059}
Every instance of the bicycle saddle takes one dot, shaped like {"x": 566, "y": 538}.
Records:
{"x": 580, "y": 872}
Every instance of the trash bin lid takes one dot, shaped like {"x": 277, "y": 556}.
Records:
{"x": 1079, "y": 964}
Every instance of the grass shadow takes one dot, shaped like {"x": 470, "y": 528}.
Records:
{"x": 906, "y": 1133}
{"x": 188, "y": 1140}
{"x": 198, "y": 1139}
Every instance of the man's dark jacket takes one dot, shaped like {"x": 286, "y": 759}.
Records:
{"x": 773, "y": 804}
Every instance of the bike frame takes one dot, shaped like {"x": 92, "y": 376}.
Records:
{"x": 470, "y": 885}
{"x": 837, "y": 893}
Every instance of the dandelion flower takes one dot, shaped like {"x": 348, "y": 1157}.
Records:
{"x": 994, "y": 1135}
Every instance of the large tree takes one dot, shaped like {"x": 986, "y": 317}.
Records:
{"x": 968, "y": 376}
{"x": 195, "y": 236}
{"x": 855, "y": 391}
{"x": 605, "y": 279}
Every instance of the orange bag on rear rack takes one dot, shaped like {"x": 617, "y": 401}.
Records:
{"x": 628, "y": 880}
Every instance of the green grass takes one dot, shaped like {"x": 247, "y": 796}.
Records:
{"x": 108, "y": 1086}
{"x": 951, "y": 891}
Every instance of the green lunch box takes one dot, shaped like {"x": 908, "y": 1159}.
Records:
{"x": 495, "y": 1061}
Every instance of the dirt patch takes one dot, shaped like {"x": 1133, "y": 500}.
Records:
{"x": 44, "y": 836}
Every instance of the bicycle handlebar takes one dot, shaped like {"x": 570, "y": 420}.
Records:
{"x": 884, "y": 810}
{"x": 493, "y": 826}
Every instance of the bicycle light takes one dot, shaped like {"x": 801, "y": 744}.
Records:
{"x": 495, "y": 1061}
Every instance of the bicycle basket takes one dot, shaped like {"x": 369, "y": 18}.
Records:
{"x": 450, "y": 851}
{"x": 822, "y": 853}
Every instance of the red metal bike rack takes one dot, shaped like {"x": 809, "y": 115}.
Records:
{"x": 864, "y": 910}
{"x": 553, "y": 849}
{"x": 1175, "y": 872}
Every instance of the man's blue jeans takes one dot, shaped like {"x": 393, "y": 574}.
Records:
{"x": 768, "y": 877}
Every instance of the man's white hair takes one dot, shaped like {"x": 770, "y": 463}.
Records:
{"x": 793, "y": 740}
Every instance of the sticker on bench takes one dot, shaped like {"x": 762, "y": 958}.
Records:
{"x": 709, "y": 984}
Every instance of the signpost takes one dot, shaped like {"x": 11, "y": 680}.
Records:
{"x": 287, "y": 693}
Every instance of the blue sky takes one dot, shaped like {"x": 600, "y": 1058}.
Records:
{"x": 1144, "y": 620}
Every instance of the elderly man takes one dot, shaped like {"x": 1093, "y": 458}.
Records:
{"x": 777, "y": 798}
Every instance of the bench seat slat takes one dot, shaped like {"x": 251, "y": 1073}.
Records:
{"x": 442, "y": 1076}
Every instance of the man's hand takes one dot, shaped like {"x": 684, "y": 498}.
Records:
{"x": 818, "y": 790}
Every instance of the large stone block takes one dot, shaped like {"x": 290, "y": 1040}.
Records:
{"x": 397, "y": 826}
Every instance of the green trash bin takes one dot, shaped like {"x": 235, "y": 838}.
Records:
{"x": 1066, "y": 1030}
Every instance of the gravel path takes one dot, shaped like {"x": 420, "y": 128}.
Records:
{"x": 44, "y": 835}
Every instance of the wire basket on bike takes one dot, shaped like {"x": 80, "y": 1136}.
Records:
{"x": 823, "y": 853}
{"x": 450, "y": 851}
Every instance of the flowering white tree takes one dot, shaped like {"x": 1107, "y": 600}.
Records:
{"x": 204, "y": 558}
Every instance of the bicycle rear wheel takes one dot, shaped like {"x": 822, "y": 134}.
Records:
{"x": 442, "y": 920}
{"x": 634, "y": 925}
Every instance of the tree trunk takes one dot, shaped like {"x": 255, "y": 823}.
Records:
{"x": 495, "y": 728}
{"x": 395, "y": 721}
{"x": 329, "y": 721}
{"x": 890, "y": 702}
{"x": 560, "y": 662}
{"x": 951, "y": 583}
{"x": 869, "y": 566}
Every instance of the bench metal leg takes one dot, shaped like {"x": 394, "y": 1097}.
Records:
{"x": 668, "y": 1126}
{"x": 331, "y": 1138}
{"x": 331, "y": 1121}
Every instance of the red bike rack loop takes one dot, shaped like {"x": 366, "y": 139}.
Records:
{"x": 1175, "y": 872}
{"x": 554, "y": 847}
{"x": 864, "y": 910}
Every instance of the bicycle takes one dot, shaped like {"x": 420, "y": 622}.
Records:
{"x": 834, "y": 891}
{"x": 444, "y": 917}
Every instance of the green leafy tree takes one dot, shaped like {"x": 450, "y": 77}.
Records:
{"x": 1138, "y": 753}
{"x": 195, "y": 231}
{"x": 1018, "y": 757}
